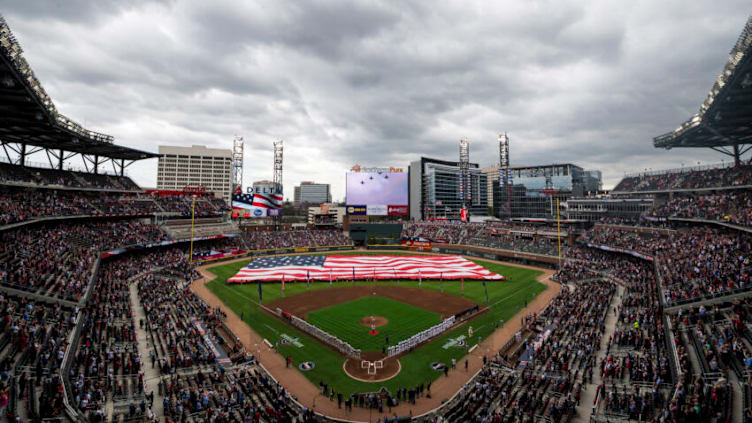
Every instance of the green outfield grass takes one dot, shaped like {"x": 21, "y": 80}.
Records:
{"x": 343, "y": 321}
{"x": 505, "y": 300}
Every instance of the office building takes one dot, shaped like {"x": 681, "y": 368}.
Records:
{"x": 195, "y": 166}
{"x": 434, "y": 190}
{"x": 492, "y": 174}
{"x": 536, "y": 189}
{"x": 312, "y": 193}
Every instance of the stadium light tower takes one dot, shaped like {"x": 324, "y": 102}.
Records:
{"x": 278, "y": 150}
{"x": 464, "y": 176}
{"x": 505, "y": 174}
{"x": 237, "y": 163}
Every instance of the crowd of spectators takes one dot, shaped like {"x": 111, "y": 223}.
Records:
{"x": 733, "y": 207}
{"x": 689, "y": 179}
{"x": 705, "y": 261}
{"x": 641, "y": 240}
{"x": 56, "y": 260}
{"x": 241, "y": 394}
{"x": 540, "y": 375}
{"x": 67, "y": 178}
{"x": 106, "y": 364}
{"x": 518, "y": 237}
{"x": 695, "y": 262}
{"x": 170, "y": 309}
{"x": 33, "y": 339}
{"x": 263, "y": 240}
{"x": 46, "y": 260}
{"x": 18, "y": 205}
{"x": 549, "y": 382}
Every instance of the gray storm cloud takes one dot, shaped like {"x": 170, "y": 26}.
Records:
{"x": 383, "y": 83}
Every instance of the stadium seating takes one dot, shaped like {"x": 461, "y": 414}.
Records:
{"x": 20, "y": 205}
{"x": 532, "y": 378}
{"x": 53, "y": 177}
{"x": 734, "y": 207}
{"x": 517, "y": 237}
{"x": 177, "y": 341}
{"x": 689, "y": 179}
{"x": 262, "y": 240}
{"x": 33, "y": 339}
{"x": 181, "y": 228}
{"x": 57, "y": 260}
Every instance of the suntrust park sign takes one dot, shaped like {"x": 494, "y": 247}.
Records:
{"x": 357, "y": 168}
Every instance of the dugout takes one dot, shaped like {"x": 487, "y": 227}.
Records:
{"x": 364, "y": 234}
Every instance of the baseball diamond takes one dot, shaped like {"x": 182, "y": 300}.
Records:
{"x": 409, "y": 307}
{"x": 357, "y": 268}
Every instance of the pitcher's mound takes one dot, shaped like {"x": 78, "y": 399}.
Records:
{"x": 376, "y": 321}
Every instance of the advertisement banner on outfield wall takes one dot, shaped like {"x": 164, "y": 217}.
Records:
{"x": 396, "y": 210}
{"x": 356, "y": 210}
{"x": 376, "y": 209}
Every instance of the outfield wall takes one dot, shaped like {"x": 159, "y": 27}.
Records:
{"x": 278, "y": 251}
{"x": 530, "y": 259}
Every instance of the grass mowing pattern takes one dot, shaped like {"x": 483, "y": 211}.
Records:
{"x": 506, "y": 298}
{"x": 342, "y": 320}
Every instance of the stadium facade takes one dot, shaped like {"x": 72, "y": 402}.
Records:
{"x": 194, "y": 166}
{"x": 595, "y": 209}
{"x": 434, "y": 191}
{"x": 536, "y": 189}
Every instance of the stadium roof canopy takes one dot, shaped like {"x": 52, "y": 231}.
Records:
{"x": 724, "y": 122}
{"x": 30, "y": 122}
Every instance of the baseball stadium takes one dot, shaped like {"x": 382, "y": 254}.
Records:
{"x": 435, "y": 292}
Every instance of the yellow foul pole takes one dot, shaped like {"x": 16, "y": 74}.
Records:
{"x": 193, "y": 218}
{"x": 558, "y": 230}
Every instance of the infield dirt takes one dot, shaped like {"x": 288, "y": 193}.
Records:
{"x": 443, "y": 388}
{"x": 302, "y": 304}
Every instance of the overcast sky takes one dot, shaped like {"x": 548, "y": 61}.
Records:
{"x": 382, "y": 83}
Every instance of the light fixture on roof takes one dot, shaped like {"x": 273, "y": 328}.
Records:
{"x": 747, "y": 81}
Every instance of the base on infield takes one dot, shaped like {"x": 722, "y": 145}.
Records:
{"x": 373, "y": 366}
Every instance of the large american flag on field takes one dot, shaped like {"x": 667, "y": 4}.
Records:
{"x": 348, "y": 267}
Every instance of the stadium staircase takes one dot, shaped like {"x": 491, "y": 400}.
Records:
{"x": 587, "y": 399}
{"x": 144, "y": 346}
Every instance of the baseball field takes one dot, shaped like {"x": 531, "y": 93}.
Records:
{"x": 365, "y": 314}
